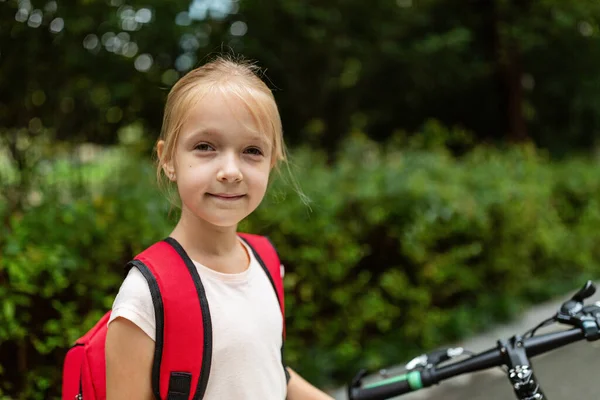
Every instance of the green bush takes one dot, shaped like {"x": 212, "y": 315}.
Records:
{"x": 406, "y": 250}
{"x": 398, "y": 251}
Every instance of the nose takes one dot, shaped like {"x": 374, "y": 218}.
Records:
{"x": 229, "y": 170}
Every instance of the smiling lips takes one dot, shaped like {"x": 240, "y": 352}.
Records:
{"x": 227, "y": 196}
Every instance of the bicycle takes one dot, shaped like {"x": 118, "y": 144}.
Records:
{"x": 513, "y": 353}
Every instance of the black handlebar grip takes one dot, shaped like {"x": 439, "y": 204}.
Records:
{"x": 388, "y": 388}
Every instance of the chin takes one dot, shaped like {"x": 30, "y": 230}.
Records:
{"x": 223, "y": 222}
{"x": 225, "y": 225}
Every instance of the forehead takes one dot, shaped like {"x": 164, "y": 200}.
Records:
{"x": 228, "y": 110}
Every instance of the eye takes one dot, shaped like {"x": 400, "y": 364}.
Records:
{"x": 204, "y": 147}
{"x": 255, "y": 151}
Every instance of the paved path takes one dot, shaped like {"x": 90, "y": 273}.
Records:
{"x": 571, "y": 372}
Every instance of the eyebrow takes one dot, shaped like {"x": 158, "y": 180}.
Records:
{"x": 217, "y": 133}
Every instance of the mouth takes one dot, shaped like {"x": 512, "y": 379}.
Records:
{"x": 227, "y": 196}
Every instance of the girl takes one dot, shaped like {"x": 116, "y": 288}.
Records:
{"x": 220, "y": 139}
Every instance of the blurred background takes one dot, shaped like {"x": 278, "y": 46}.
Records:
{"x": 449, "y": 149}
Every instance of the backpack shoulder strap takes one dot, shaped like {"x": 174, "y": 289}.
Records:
{"x": 183, "y": 347}
{"x": 265, "y": 253}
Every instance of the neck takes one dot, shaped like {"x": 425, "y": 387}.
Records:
{"x": 199, "y": 237}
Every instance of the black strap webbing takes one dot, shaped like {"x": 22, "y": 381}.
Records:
{"x": 180, "y": 384}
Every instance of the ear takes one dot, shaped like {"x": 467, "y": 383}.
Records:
{"x": 166, "y": 164}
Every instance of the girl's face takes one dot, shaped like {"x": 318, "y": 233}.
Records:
{"x": 221, "y": 161}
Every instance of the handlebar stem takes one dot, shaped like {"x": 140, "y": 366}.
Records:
{"x": 520, "y": 374}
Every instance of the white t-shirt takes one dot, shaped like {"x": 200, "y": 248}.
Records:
{"x": 247, "y": 329}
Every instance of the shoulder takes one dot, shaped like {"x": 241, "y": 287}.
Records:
{"x": 134, "y": 286}
{"x": 134, "y": 303}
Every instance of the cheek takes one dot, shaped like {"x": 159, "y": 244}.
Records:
{"x": 194, "y": 171}
{"x": 259, "y": 178}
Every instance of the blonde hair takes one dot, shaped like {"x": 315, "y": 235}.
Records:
{"x": 233, "y": 76}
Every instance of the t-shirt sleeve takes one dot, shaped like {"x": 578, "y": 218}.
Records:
{"x": 134, "y": 302}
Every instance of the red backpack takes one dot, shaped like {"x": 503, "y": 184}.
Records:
{"x": 183, "y": 347}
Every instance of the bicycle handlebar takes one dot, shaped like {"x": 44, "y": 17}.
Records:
{"x": 514, "y": 353}
{"x": 493, "y": 357}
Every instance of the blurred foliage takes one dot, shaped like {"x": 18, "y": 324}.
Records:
{"x": 405, "y": 250}
{"x": 502, "y": 69}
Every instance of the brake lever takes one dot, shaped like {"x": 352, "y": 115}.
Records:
{"x": 357, "y": 380}
{"x": 586, "y": 291}
{"x": 587, "y": 318}
{"x": 592, "y": 309}
{"x": 571, "y": 309}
